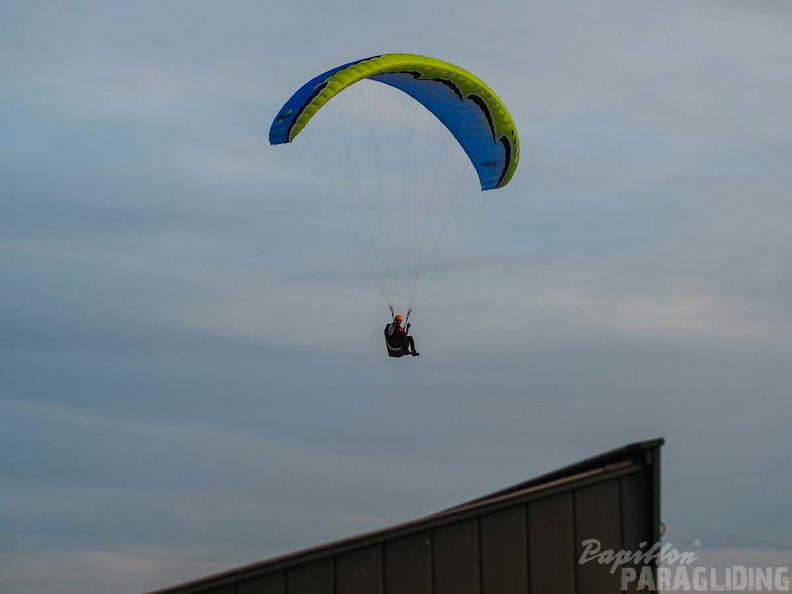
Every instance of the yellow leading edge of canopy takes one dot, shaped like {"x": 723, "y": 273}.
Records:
{"x": 468, "y": 83}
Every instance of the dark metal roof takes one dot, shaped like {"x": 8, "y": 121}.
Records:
{"x": 619, "y": 455}
{"x": 628, "y": 459}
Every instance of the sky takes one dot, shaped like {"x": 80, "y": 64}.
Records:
{"x": 192, "y": 374}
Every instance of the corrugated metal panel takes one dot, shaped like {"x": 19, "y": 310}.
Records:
{"x": 456, "y": 558}
{"x": 551, "y": 537}
{"x": 222, "y": 590}
{"x": 317, "y": 577}
{"x": 636, "y": 516}
{"x": 504, "y": 552}
{"x": 273, "y": 583}
{"x": 360, "y": 572}
{"x": 408, "y": 564}
{"x": 635, "y": 511}
{"x": 598, "y": 516}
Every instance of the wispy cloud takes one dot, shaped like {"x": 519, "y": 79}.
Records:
{"x": 127, "y": 571}
{"x": 190, "y": 345}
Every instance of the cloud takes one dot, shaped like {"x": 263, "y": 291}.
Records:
{"x": 726, "y": 556}
{"x": 191, "y": 346}
{"x": 131, "y": 570}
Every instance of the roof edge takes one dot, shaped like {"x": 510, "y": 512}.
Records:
{"x": 626, "y": 452}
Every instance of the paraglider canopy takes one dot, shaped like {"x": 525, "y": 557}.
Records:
{"x": 470, "y": 110}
